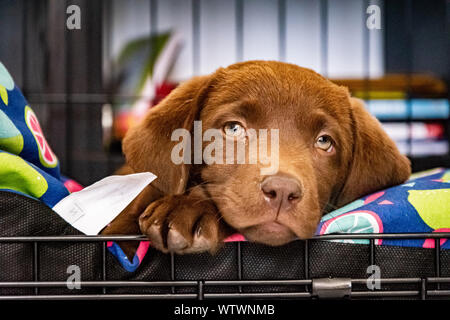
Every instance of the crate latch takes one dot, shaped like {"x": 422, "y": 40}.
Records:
{"x": 334, "y": 288}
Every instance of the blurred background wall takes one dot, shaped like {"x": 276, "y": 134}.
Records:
{"x": 65, "y": 74}
{"x": 231, "y": 31}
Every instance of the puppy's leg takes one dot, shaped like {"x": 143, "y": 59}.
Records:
{"x": 126, "y": 223}
{"x": 187, "y": 223}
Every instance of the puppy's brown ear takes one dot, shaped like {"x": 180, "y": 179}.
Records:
{"x": 376, "y": 162}
{"x": 148, "y": 146}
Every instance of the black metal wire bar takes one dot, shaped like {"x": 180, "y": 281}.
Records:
{"x": 257, "y": 282}
{"x": 96, "y": 284}
{"x": 104, "y": 265}
{"x": 36, "y": 265}
{"x": 172, "y": 271}
{"x": 400, "y": 236}
{"x": 390, "y": 281}
{"x": 423, "y": 289}
{"x": 372, "y": 251}
{"x": 191, "y": 283}
{"x": 337, "y": 236}
{"x": 81, "y": 238}
{"x": 239, "y": 264}
{"x": 437, "y": 259}
{"x": 441, "y": 293}
{"x": 102, "y": 297}
{"x": 437, "y": 280}
{"x": 306, "y": 261}
{"x": 200, "y": 290}
{"x": 263, "y": 295}
{"x": 385, "y": 294}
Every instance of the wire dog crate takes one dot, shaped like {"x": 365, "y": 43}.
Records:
{"x": 420, "y": 287}
{"x": 61, "y": 74}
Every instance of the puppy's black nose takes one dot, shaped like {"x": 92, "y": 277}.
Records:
{"x": 281, "y": 191}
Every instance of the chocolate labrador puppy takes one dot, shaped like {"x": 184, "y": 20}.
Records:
{"x": 328, "y": 152}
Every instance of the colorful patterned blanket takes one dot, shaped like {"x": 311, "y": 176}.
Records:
{"x": 28, "y": 166}
{"x": 420, "y": 205}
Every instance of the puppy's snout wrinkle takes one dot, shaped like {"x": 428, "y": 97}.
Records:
{"x": 281, "y": 192}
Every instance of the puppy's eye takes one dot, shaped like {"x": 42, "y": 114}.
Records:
{"x": 234, "y": 129}
{"x": 325, "y": 143}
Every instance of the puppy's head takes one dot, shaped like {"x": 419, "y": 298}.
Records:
{"x": 279, "y": 145}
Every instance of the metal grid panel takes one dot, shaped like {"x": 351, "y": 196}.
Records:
{"x": 422, "y": 285}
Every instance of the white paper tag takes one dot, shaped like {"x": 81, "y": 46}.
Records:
{"x": 92, "y": 208}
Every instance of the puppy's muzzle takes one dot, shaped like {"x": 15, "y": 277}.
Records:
{"x": 282, "y": 192}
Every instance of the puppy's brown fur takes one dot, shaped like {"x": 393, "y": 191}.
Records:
{"x": 192, "y": 208}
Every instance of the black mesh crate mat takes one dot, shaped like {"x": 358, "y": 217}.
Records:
{"x": 38, "y": 250}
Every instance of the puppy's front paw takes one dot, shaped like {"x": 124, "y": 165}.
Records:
{"x": 182, "y": 224}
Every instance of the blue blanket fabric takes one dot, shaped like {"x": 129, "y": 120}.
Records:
{"x": 28, "y": 165}
{"x": 420, "y": 205}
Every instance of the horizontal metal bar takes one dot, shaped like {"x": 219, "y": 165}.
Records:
{"x": 103, "y": 297}
{"x": 398, "y": 293}
{"x": 438, "y": 293}
{"x": 437, "y": 280}
{"x": 340, "y": 236}
{"x": 354, "y": 294}
{"x": 257, "y": 295}
{"x": 210, "y": 283}
{"x": 81, "y": 238}
{"x": 274, "y": 295}
{"x": 256, "y": 282}
{"x": 390, "y": 280}
{"x": 46, "y": 284}
{"x": 344, "y": 236}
